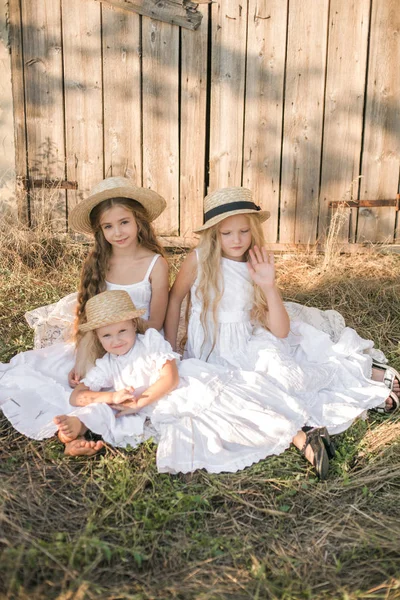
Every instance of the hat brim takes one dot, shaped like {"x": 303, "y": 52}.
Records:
{"x": 153, "y": 203}
{"x": 122, "y": 316}
{"x": 262, "y": 215}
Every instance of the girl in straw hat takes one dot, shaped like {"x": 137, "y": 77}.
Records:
{"x": 126, "y": 255}
{"x": 208, "y": 421}
{"x": 238, "y": 320}
{"x": 136, "y": 367}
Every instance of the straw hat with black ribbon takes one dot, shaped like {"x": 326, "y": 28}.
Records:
{"x": 115, "y": 187}
{"x": 112, "y": 306}
{"x": 227, "y": 202}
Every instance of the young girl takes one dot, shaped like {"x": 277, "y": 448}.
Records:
{"x": 135, "y": 369}
{"x": 126, "y": 255}
{"x": 208, "y": 421}
{"x": 238, "y": 320}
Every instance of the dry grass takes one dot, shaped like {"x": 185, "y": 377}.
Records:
{"x": 113, "y": 528}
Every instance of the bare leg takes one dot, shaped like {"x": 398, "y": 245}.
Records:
{"x": 81, "y": 447}
{"x": 299, "y": 441}
{"x": 69, "y": 428}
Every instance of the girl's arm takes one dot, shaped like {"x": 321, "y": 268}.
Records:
{"x": 159, "y": 294}
{"x": 183, "y": 282}
{"x": 82, "y": 396}
{"x": 168, "y": 380}
{"x": 262, "y": 271}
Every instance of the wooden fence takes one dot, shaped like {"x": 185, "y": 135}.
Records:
{"x": 296, "y": 99}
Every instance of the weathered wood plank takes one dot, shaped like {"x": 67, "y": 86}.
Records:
{"x": 264, "y": 106}
{"x": 44, "y": 108}
{"x": 122, "y": 94}
{"x": 83, "y": 95}
{"x": 193, "y": 126}
{"x": 344, "y": 104}
{"x": 160, "y": 81}
{"x": 184, "y": 14}
{"x": 381, "y": 152}
{"x": 17, "y": 82}
{"x": 302, "y": 135}
{"x": 229, "y": 23}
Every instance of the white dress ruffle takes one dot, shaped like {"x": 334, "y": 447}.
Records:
{"x": 326, "y": 369}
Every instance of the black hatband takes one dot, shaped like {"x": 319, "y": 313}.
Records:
{"x": 220, "y": 210}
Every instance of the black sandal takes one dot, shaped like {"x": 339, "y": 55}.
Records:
{"x": 316, "y": 441}
{"x": 323, "y": 432}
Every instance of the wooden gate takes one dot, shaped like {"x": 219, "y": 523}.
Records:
{"x": 298, "y": 100}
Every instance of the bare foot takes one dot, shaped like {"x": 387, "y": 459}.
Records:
{"x": 69, "y": 428}
{"x": 81, "y": 447}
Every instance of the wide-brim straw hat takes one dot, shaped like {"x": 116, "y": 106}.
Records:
{"x": 115, "y": 187}
{"x": 112, "y": 306}
{"x": 227, "y": 202}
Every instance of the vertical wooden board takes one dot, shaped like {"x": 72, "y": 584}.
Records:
{"x": 160, "y": 85}
{"x": 344, "y": 104}
{"x": 193, "y": 126}
{"x": 44, "y": 108}
{"x": 17, "y": 82}
{"x": 264, "y": 106}
{"x": 122, "y": 94}
{"x": 381, "y": 153}
{"x": 303, "y": 112}
{"x": 83, "y": 95}
{"x": 228, "y": 65}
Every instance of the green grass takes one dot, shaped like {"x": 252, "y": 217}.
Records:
{"x": 112, "y": 527}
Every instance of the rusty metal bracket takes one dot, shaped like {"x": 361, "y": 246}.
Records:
{"x": 29, "y": 183}
{"x": 365, "y": 203}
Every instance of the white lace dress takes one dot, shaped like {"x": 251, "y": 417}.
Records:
{"x": 34, "y": 385}
{"x": 326, "y": 369}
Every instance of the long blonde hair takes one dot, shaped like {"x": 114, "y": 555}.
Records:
{"x": 90, "y": 348}
{"x": 95, "y": 267}
{"x": 210, "y": 286}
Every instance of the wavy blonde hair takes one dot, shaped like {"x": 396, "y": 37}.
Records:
{"x": 95, "y": 267}
{"x": 90, "y": 348}
{"x": 210, "y": 286}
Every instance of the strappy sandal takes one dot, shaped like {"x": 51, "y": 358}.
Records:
{"x": 329, "y": 445}
{"x": 389, "y": 375}
{"x": 321, "y": 460}
{"x": 383, "y": 409}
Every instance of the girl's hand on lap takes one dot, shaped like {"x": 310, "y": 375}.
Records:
{"x": 129, "y": 408}
{"x": 262, "y": 267}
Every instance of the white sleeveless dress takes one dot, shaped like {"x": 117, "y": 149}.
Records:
{"x": 331, "y": 378}
{"x": 34, "y": 385}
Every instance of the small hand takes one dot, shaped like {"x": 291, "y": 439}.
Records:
{"x": 73, "y": 378}
{"x": 129, "y": 408}
{"x": 123, "y": 395}
{"x": 262, "y": 267}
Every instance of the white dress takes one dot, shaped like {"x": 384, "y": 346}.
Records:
{"x": 34, "y": 385}
{"x": 330, "y": 377}
{"x": 208, "y": 422}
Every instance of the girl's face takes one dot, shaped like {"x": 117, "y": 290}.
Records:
{"x": 117, "y": 338}
{"x": 235, "y": 237}
{"x": 119, "y": 227}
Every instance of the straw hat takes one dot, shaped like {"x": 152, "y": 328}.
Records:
{"x": 226, "y": 202}
{"x": 115, "y": 187}
{"x": 109, "y": 307}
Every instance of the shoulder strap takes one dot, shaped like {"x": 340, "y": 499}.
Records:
{"x": 151, "y": 265}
